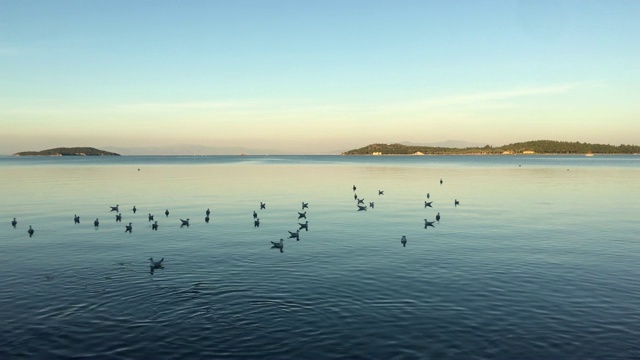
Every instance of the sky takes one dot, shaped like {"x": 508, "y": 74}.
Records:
{"x": 315, "y": 77}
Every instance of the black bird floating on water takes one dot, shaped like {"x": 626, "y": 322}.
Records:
{"x": 428, "y": 204}
{"x": 166, "y": 212}
{"x": 30, "y": 231}
{"x": 115, "y": 208}
{"x": 278, "y": 245}
{"x": 208, "y": 212}
{"x": 403, "y": 241}
{"x": 305, "y": 205}
{"x": 438, "y": 217}
{"x": 456, "y": 202}
{"x": 256, "y": 222}
{"x": 428, "y": 223}
{"x": 96, "y": 223}
{"x": 295, "y": 235}
{"x": 362, "y": 208}
{"x": 206, "y": 219}
{"x": 371, "y": 204}
{"x": 76, "y": 219}
{"x": 304, "y": 226}
{"x": 380, "y": 192}
{"x": 154, "y": 265}
{"x": 154, "y": 226}
{"x": 184, "y": 223}
{"x": 255, "y": 215}
{"x": 361, "y": 201}
{"x": 440, "y": 181}
{"x": 119, "y": 217}
{"x": 128, "y": 228}
{"x": 263, "y": 206}
{"x": 134, "y": 209}
{"x": 150, "y": 217}
{"x": 14, "y": 223}
{"x": 302, "y": 215}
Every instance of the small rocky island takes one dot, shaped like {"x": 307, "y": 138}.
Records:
{"x": 72, "y": 151}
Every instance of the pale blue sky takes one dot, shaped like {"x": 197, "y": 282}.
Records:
{"x": 316, "y": 76}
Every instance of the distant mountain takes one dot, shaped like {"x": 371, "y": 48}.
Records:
{"x": 446, "y": 144}
{"x": 189, "y": 149}
{"x": 63, "y": 151}
{"x": 529, "y": 147}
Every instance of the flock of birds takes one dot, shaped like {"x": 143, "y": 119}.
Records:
{"x": 256, "y": 221}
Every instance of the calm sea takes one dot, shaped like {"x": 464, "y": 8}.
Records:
{"x": 541, "y": 259}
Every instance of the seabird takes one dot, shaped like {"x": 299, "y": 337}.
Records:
{"x": 14, "y": 222}
{"x": 208, "y": 212}
{"x": 438, "y": 217}
{"x": 150, "y": 217}
{"x": 263, "y": 206}
{"x": 96, "y": 223}
{"x": 403, "y": 241}
{"x": 355, "y": 196}
{"x": 114, "y": 208}
{"x": 305, "y": 205}
{"x": 30, "y": 231}
{"x": 295, "y": 235}
{"x": 278, "y": 245}
{"x": 302, "y": 215}
{"x": 354, "y": 188}
{"x": 371, "y": 204}
{"x": 119, "y": 217}
{"x": 428, "y": 204}
{"x": 304, "y": 226}
{"x": 440, "y": 181}
{"x": 166, "y": 212}
{"x": 362, "y": 208}
{"x": 428, "y": 196}
{"x": 456, "y": 202}
{"x": 428, "y": 223}
{"x": 256, "y": 223}
{"x": 154, "y": 226}
{"x": 207, "y": 219}
{"x": 76, "y": 219}
{"x": 156, "y": 264}
{"x": 361, "y": 201}
{"x": 184, "y": 223}
{"x": 128, "y": 228}
{"x": 134, "y": 209}
{"x": 380, "y": 192}
{"x": 255, "y": 215}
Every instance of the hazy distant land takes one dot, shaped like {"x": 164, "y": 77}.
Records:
{"x": 71, "y": 151}
{"x": 529, "y": 147}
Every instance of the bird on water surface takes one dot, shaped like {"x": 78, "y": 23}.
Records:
{"x": 256, "y": 223}
{"x": 304, "y": 226}
{"x": 438, "y": 217}
{"x": 206, "y": 219}
{"x": 456, "y": 202}
{"x": 76, "y": 219}
{"x": 154, "y": 226}
{"x": 428, "y": 223}
{"x": 96, "y": 223}
{"x": 155, "y": 264}
{"x": 184, "y": 223}
{"x": 114, "y": 208}
{"x": 294, "y": 235}
{"x": 305, "y": 205}
{"x": 208, "y": 212}
{"x": 128, "y": 228}
{"x": 119, "y": 217}
{"x": 255, "y": 215}
{"x": 278, "y": 245}
{"x": 380, "y": 192}
{"x": 150, "y": 217}
{"x": 14, "y": 222}
{"x": 428, "y": 204}
{"x": 403, "y": 241}
{"x": 30, "y": 231}
{"x": 134, "y": 209}
{"x": 302, "y": 215}
{"x": 166, "y": 212}
{"x": 362, "y": 208}
{"x": 263, "y": 206}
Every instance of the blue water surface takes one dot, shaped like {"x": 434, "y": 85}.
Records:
{"x": 539, "y": 261}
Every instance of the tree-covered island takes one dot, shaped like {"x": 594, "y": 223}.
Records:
{"x": 72, "y": 151}
{"x": 529, "y": 147}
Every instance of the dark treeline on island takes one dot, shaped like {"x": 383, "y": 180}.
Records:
{"x": 529, "y": 147}
{"x": 63, "y": 151}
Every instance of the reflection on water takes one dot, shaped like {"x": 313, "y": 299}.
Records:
{"x": 537, "y": 261}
